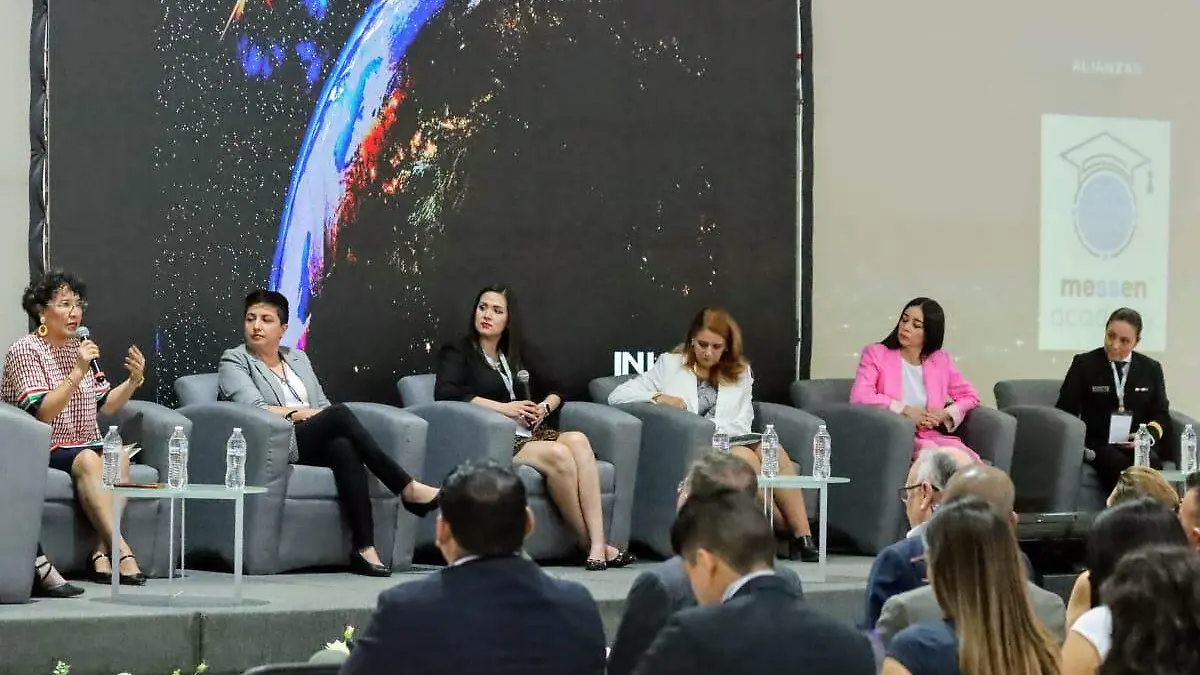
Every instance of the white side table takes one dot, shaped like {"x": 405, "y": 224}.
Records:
{"x": 770, "y": 485}
{"x": 1175, "y": 476}
{"x": 212, "y": 492}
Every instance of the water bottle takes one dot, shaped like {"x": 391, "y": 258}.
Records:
{"x": 113, "y": 448}
{"x": 177, "y": 459}
{"x": 720, "y": 440}
{"x": 770, "y": 452}
{"x": 235, "y": 460}
{"x": 822, "y": 445}
{"x": 1187, "y": 450}
{"x": 1141, "y": 446}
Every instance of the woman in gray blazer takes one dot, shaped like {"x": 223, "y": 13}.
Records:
{"x": 281, "y": 380}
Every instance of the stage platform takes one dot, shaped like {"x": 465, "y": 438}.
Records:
{"x": 285, "y": 618}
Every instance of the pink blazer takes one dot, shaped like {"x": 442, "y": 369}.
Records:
{"x": 879, "y": 381}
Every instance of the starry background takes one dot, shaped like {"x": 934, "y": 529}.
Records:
{"x": 621, "y": 163}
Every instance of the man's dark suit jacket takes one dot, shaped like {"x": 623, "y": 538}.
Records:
{"x": 1088, "y": 390}
{"x": 898, "y": 568}
{"x": 491, "y": 616}
{"x": 656, "y": 595}
{"x": 765, "y": 628}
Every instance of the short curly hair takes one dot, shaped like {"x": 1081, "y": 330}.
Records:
{"x": 39, "y": 293}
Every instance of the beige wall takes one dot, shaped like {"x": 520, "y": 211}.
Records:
{"x": 14, "y": 164}
{"x": 931, "y": 169}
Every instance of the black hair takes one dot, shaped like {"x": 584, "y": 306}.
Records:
{"x": 1193, "y": 482}
{"x": 716, "y": 471}
{"x": 484, "y": 503}
{"x": 1154, "y": 596}
{"x": 1125, "y": 528}
{"x": 1129, "y": 316}
{"x": 262, "y": 296}
{"x": 934, "y": 324}
{"x": 730, "y": 525}
{"x": 511, "y": 338}
{"x": 38, "y": 294}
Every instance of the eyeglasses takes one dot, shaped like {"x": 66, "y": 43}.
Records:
{"x": 68, "y": 305}
{"x": 908, "y": 488}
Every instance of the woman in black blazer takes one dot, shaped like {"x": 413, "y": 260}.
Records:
{"x": 489, "y": 367}
{"x": 1115, "y": 380}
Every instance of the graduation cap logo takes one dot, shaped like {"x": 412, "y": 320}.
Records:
{"x": 1106, "y": 211}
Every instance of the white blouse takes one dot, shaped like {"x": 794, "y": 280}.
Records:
{"x": 1095, "y": 626}
{"x": 914, "y": 386}
{"x": 670, "y": 375}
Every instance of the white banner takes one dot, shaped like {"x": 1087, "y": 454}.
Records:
{"x": 1106, "y": 197}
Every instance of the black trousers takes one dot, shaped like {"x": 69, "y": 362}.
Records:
{"x": 334, "y": 438}
{"x": 1111, "y": 460}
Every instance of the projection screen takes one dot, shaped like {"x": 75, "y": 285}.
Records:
{"x": 1031, "y": 165}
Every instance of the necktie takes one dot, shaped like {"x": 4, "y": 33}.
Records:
{"x": 1120, "y": 365}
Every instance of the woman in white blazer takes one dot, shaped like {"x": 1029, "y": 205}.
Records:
{"x": 708, "y": 376}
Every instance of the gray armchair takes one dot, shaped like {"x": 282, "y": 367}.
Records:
{"x": 67, "y": 534}
{"x": 297, "y": 523}
{"x": 1048, "y": 468}
{"x": 873, "y": 448}
{"x": 22, "y": 489}
{"x": 460, "y": 431}
{"x": 673, "y": 438}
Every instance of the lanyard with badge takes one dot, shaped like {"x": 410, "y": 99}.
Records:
{"x": 1121, "y": 423}
{"x": 501, "y": 368}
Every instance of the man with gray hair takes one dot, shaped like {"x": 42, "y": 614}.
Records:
{"x": 901, "y": 566}
{"x": 663, "y": 590}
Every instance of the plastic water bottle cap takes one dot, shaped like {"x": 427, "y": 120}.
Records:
{"x": 112, "y": 428}
{"x": 178, "y": 428}
{"x": 237, "y": 430}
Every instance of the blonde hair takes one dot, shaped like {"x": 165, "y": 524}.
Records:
{"x": 1142, "y": 481}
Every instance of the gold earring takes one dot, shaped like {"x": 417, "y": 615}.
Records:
{"x": 41, "y": 329}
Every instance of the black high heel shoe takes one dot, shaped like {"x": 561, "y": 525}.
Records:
{"x": 360, "y": 566}
{"x": 135, "y": 579}
{"x": 98, "y": 577}
{"x": 41, "y": 590}
{"x": 420, "y": 509}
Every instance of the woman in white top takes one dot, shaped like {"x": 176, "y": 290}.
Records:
{"x": 1151, "y": 622}
{"x": 708, "y": 376}
{"x": 1116, "y": 534}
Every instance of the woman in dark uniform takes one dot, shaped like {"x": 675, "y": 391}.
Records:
{"x": 485, "y": 368}
{"x": 1114, "y": 380}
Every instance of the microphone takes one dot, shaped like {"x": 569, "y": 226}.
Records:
{"x": 1089, "y": 455}
{"x": 523, "y": 379}
{"x": 84, "y": 334}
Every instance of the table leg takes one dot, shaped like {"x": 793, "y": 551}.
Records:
{"x": 823, "y": 529}
{"x": 182, "y": 536}
{"x": 114, "y": 553}
{"x": 769, "y": 507}
{"x": 171, "y": 543}
{"x": 237, "y": 547}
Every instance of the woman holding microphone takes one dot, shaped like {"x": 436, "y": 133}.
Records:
{"x": 48, "y": 374}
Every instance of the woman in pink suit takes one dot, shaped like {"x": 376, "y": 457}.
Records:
{"x": 910, "y": 375}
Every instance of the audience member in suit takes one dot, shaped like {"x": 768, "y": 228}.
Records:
{"x": 1189, "y": 510}
{"x": 264, "y": 374}
{"x": 658, "y": 593}
{"x": 1115, "y": 380}
{"x": 988, "y": 625}
{"x": 1116, "y": 533}
{"x": 921, "y": 604}
{"x": 901, "y": 566}
{"x": 490, "y": 611}
{"x": 909, "y": 374}
{"x": 484, "y": 368}
{"x": 708, "y": 376}
{"x": 750, "y": 622}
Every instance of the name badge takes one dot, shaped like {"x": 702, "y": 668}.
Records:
{"x": 1101, "y": 389}
{"x": 1141, "y": 389}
